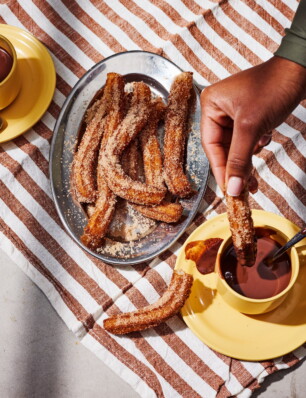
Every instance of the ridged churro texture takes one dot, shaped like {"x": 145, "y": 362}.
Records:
{"x": 118, "y": 181}
{"x": 85, "y": 159}
{"x": 106, "y": 199}
{"x": 176, "y": 123}
{"x": 167, "y": 306}
{"x": 242, "y": 228}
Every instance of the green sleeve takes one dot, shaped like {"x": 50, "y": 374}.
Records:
{"x": 293, "y": 45}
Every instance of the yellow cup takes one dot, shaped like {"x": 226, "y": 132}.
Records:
{"x": 248, "y": 305}
{"x": 10, "y": 86}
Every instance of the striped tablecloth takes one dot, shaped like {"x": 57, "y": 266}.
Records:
{"x": 213, "y": 39}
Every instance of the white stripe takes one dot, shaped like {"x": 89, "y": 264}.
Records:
{"x": 44, "y": 284}
{"x": 58, "y": 234}
{"x": 293, "y": 4}
{"x": 184, "y": 11}
{"x": 295, "y": 135}
{"x": 177, "y": 364}
{"x": 241, "y": 35}
{"x": 290, "y": 198}
{"x": 204, "y": 56}
{"x": 207, "y": 355}
{"x": 143, "y": 29}
{"x": 206, "y": 4}
{"x": 118, "y": 367}
{"x": 69, "y": 77}
{"x": 82, "y": 29}
{"x": 159, "y": 15}
{"x": 176, "y": 57}
{"x": 222, "y": 45}
{"x": 39, "y": 142}
{"x": 112, "y": 28}
{"x": 275, "y": 13}
{"x": 300, "y": 113}
{"x": 28, "y": 165}
{"x": 283, "y": 159}
{"x": 58, "y": 272}
{"x": 246, "y": 12}
{"x": 43, "y": 22}
{"x": 266, "y": 203}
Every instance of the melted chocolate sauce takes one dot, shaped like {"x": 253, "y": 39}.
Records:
{"x": 6, "y": 63}
{"x": 259, "y": 281}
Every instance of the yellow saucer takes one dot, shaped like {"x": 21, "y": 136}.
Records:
{"x": 246, "y": 337}
{"x": 38, "y": 83}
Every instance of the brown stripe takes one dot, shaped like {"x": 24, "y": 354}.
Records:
{"x": 193, "y": 7}
{"x": 53, "y": 46}
{"x": 232, "y": 40}
{"x": 279, "y": 171}
{"x": 170, "y": 12}
{"x": 290, "y": 148}
{"x": 266, "y": 16}
{"x": 190, "y": 358}
{"x": 213, "y": 51}
{"x": 279, "y": 201}
{"x": 75, "y": 307}
{"x": 147, "y": 18}
{"x": 34, "y": 153}
{"x": 290, "y": 359}
{"x": 53, "y": 247}
{"x": 194, "y": 61}
{"x": 162, "y": 367}
{"x": 237, "y": 369}
{"x": 281, "y": 6}
{"x": 250, "y": 28}
{"x": 269, "y": 366}
{"x": 62, "y": 85}
{"x": 96, "y": 28}
{"x": 81, "y": 314}
{"x": 56, "y": 20}
{"x": 102, "y": 337}
{"x": 125, "y": 26}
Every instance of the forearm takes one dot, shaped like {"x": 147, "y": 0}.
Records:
{"x": 293, "y": 45}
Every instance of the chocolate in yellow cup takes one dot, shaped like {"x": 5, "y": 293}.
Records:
{"x": 10, "y": 85}
{"x": 248, "y": 305}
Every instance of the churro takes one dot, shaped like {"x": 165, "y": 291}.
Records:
{"x": 106, "y": 200}
{"x": 176, "y": 121}
{"x": 118, "y": 181}
{"x": 152, "y": 315}
{"x": 85, "y": 159}
{"x": 241, "y": 226}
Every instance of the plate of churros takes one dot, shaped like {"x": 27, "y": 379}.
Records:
{"x": 126, "y": 165}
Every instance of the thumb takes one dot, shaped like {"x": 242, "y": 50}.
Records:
{"x": 239, "y": 161}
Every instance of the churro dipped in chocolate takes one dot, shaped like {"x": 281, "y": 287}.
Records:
{"x": 118, "y": 181}
{"x": 176, "y": 122}
{"x": 167, "y": 306}
{"x": 85, "y": 159}
{"x": 242, "y": 229}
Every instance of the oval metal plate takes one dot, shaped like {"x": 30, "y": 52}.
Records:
{"x": 158, "y": 73}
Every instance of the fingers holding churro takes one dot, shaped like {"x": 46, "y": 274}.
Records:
{"x": 242, "y": 229}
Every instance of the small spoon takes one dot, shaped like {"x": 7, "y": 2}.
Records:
{"x": 299, "y": 236}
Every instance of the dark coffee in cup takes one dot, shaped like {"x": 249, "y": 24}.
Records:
{"x": 6, "y": 63}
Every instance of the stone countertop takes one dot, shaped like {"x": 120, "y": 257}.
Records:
{"x": 40, "y": 357}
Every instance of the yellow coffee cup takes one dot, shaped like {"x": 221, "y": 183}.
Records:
{"x": 249, "y": 305}
{"x": 10, "y": 85}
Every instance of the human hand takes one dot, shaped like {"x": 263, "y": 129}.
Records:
{"x": 239, "y": 112}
